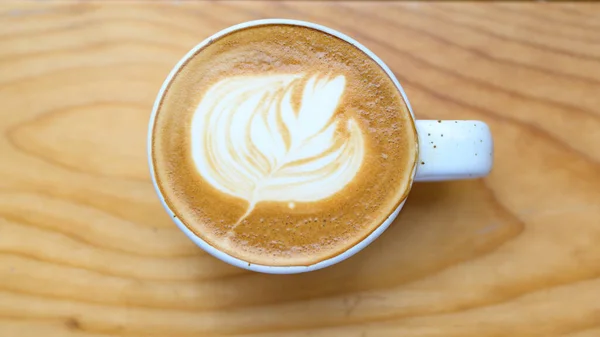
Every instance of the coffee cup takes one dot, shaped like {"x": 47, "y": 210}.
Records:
{"x": 283, "y": 146}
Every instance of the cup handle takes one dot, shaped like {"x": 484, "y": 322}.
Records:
{"x": 452, "y": 150}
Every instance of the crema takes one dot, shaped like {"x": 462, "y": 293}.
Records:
{"x": 282, "y": 145}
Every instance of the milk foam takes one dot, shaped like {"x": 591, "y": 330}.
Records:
{"x": 248, "y": 140}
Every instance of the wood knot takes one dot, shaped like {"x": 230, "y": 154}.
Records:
{"x": 73, "y": 323}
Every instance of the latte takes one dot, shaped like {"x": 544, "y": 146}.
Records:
{"x": 282, "y": 145}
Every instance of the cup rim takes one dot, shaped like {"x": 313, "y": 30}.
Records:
{"x": 234, "y": 260}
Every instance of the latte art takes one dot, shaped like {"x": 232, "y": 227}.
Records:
{"x": 249, "y": 141}
{"x": 282, "y": 145}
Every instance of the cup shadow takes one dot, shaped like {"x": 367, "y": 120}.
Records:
{"x": 440, "y": 225}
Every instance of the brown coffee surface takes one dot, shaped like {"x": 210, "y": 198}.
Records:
{"x": 261, "y": 224}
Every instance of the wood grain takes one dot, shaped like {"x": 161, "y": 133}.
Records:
{"x": 86, "y": 249}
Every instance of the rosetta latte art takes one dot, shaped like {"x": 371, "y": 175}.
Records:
{"x": 249, "y": 139}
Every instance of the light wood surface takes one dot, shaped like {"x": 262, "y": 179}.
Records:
{"x": 86, "y": 249}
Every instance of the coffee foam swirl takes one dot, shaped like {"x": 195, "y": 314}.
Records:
{"x": 249, "y": 139}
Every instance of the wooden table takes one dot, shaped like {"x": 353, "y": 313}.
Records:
{"x": 86, "y": 249}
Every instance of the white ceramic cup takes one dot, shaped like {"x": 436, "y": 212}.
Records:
{"x": 448, "y": 150}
